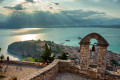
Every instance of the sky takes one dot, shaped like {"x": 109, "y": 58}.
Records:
{"x": 59, "y": 13}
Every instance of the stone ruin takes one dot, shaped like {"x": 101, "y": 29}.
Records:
{"x": 102, "y": 52}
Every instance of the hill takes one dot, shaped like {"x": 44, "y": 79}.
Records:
{"x": 34, "y": 48}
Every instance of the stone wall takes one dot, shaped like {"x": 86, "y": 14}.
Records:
{"x": 68, "y": 66}
{"x": 101, "y": 59}
{"x": 49, "y": 72}
{"x": 24, "y": 63}
{"x": 84, "y": 56}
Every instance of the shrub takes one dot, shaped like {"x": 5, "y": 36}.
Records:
{"x": 64, "y": 56}
{"x": 30, "y": 59}
{"x": 36, "y": 60}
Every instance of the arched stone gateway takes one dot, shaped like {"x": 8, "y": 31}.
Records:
{"x": 102, "y": 51}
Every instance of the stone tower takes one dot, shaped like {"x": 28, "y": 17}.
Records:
{"x": 102, "y": 51}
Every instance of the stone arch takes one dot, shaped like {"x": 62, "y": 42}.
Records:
{"x": 98, "y": 37}
{"x": 102, "y": 51}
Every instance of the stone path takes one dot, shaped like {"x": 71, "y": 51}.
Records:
{"x": 69, "y": 76}
{"x": 20, "y": 71}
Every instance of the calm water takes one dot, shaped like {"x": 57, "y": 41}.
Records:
{"x": 58, "y": 35}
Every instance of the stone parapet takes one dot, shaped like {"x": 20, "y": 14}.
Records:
{"x": 37, "y": 64}
{"x": 67, "y": 66}
{"x": 57, "y": 66}
{"x": 47, "y": 73}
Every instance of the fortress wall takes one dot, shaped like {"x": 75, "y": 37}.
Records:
{"x": 47, "y": 73}
{"x": 57, "y": 66}
{"x": 68, "y": 66}
{"x": 52, "y": 70}
{"x": 35, "y": 64}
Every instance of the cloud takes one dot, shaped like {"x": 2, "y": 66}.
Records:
{"x": 50, "y": 7}
{"x": 108, "y": 1}
{"x": 2, "y": 17}
{"x": 117, "y": 1}
{"x": 95, "y": 1}
{"x": 21, "y": 19}
{"x": 31, "y": 1}
{"x": 17, "y": 7}
{"x": 55, "y": 3}
{"x": 28, "y": 7}
{"x": 81, "y": 13}
{"x": 1, "y": 1}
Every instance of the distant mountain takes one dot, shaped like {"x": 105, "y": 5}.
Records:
{"x": 57, "y": 20}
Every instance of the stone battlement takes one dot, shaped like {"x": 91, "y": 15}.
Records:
{"x": 57, "y": 66}
{"x": 35, "y": 64}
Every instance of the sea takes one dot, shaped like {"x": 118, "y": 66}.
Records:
{"x": 58, "y": 35}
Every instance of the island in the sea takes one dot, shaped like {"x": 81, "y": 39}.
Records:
{"x": 34, "y": 48}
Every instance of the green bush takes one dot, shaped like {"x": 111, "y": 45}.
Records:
{"x": 36, "y": 60}
{"x": 63, "y": 56}
{"x": 30, "y": 59}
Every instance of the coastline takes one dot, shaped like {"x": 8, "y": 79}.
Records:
{"x": 72, "y": 50}
{"x": 12, "y": 53}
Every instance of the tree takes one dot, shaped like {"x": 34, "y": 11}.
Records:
{"x": 113, "y": 62}
{"x": 0, "y": 49}
{"x": 63, "y": 56}
{"x": 46, "y": 55}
